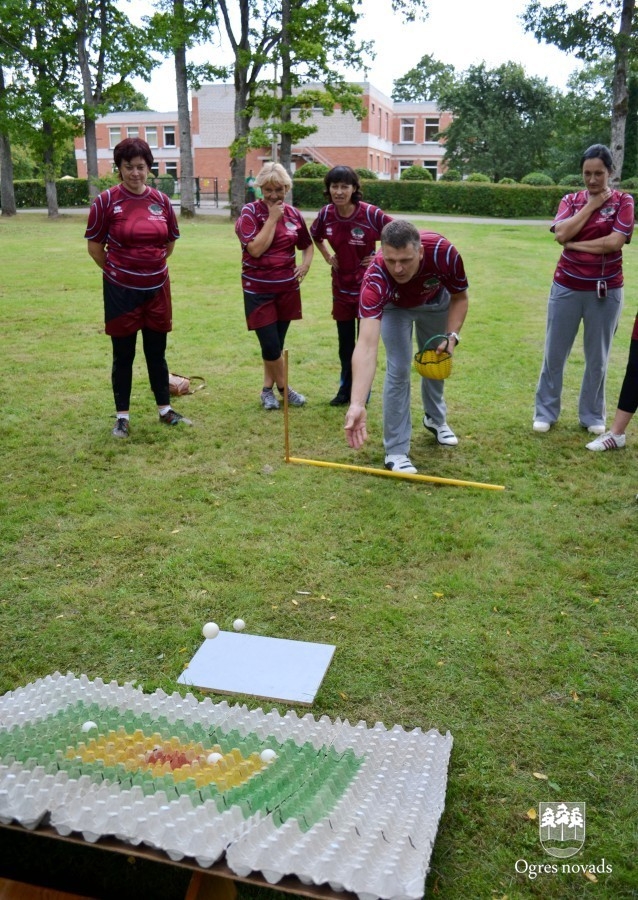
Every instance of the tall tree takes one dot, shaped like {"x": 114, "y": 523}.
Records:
{"x": 7, "y": 192}
{"x": 176, "y": 27}
{"x": 591, "y": 31}
{"x": 503, "y": 121}
{"x": 43, "y": 75}
{"x": 110, "y": 49}
{"x": 425, "y": 81}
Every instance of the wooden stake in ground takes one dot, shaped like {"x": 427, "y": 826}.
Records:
{"x": 368, "y": 470}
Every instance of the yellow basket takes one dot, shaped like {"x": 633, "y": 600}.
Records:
{"x": 430, "y": 364}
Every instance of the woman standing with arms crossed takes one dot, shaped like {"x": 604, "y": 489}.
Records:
{"x": 130, "y": 234}
{"x": 270, "y": 231}
{"x": 352, "y": 229}
{"x": 592, "y": 227}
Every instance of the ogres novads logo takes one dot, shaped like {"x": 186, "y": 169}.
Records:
{"x": 561, "y": 828}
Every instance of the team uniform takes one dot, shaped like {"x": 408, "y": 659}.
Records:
{"x": 271, "y": 290}
{"x": 420, "y": 305}
{"x": 574, "y": 296}
{"x": 135, "y": 229}
{"x": 352, "y": 238}
{"x": 136, "y": 288}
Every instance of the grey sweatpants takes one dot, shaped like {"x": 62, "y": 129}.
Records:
{"x": 397, "y": 326}
{"x": 566, "y": 309}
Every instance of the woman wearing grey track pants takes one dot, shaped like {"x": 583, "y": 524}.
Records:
{"x": 592, "y": 226}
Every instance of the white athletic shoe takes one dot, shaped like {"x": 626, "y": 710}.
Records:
{"x": 541, "y": 427}
{"x": 443, "y": 433}
{"x": 399, "y": 462}
{"x": 596, "y": 429}
{"x": 609, "y": 441}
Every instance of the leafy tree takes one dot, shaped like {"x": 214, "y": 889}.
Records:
{"x": 42, "y": 37}
{"x": 122, "y": 97}
{"x": 592, "y": 31}
{"x": 503, "y": 121}
{"x": 110, "y": 49}
{"x": 176, "y": 28}
{"x": 425, "y": 81}
{"x": 6, "y": 161}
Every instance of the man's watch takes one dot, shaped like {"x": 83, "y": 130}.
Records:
{"x": 454, "y": 335}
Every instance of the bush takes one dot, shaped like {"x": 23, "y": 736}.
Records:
{"x": 507, "y": 201}
{"x": 366, "y": 173}
{"x": 451, "y": 175}
{"x": 571, "y": 180}
{"x": 416, "y": 173}
{"x": 30, "y": 194}
{"x": 630, "y": 184}
{"x": 478, "y": 176}
{"x": 507, "y": 181}
{"x": 537, "y": 179}
{"x": 163, "y": 183}
{"x": 312, "y": 170}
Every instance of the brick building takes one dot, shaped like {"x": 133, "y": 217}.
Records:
{"x": 390, "y": 138}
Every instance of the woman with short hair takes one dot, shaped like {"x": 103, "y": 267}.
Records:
{"x": 270, "y": 232}
{"x": 130, "y": 234}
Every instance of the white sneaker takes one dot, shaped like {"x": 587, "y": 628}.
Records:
{"x": 609, "y": 441}
{"x": 541, "y": 427}
{"x": 443, "y": 433}
{"x": 596, "y": 429}
{"x": 399, "y": 462}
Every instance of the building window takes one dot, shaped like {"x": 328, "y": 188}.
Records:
{"x": 405, "y": 164}
{"x": 155, "y": 169}
{"x": 151, "y": 136}
{"x": 432, "y": 166}
{"x": 169, "y": 136}
{"x": 431, "y": 129}
{"x": 171, "y": 169}
{"x": 407, "y": 131}
{"x": 132, "y": 132}
{"x": 387, "y": 125}
{"x": 114, "y": 137}
{"x": 372, "y": 109}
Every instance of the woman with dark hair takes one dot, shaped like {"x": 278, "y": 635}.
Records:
{"x": 592, "y": 226}
{"x": 270, "y": 232}
{"x": 352, "y": 229}
{"x": 130, "y": 234}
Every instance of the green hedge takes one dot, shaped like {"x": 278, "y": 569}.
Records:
{"x": 32, "y": 195}
{"x": 507, "y": 201}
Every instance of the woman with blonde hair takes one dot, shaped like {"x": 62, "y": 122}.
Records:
{"x": 270, "y": 232}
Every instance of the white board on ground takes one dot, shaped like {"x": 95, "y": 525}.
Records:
{"x": 265, "y": 667}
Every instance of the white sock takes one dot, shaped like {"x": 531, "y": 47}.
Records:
{"x": 163, "y": 410}
{"x": 120, "y": 415}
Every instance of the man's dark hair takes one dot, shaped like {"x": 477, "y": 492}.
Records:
{"x": 400, "y": 233}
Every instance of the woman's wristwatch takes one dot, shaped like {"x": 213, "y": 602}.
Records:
{"x": 454, "y": 335}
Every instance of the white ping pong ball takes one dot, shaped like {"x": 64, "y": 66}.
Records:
{"x": 210, "y": 630}
{"x": 239, "y": 624}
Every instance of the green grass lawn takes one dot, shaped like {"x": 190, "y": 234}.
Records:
{"x": 507, "y": 618}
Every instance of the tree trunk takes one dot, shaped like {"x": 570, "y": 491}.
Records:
{"x": 90, "y": 137}
{"x": 49, "y": 176}
{"x": 238, "y": 158}
{"x": 619, "y": 90}
{"x": 186, "y": 170}
{"x": 7, "y": 192}
{"x": 285, "y": 149}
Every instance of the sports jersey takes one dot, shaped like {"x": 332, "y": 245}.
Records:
{"x": 352, "y": 238}
{"x": 441, "y": 266}
{"x": 135, "y": 229}
{"x": 580, "y": 271}
{"x": 274, "y": 271}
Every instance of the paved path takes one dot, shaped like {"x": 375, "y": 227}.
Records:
{"x": 209, "y": 209}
